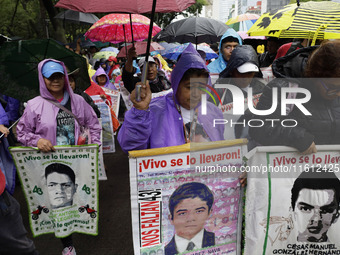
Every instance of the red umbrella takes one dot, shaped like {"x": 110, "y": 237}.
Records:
{"x": 140, "y": 48}
{"x": 126, "y": 6}
{"x": 116, "y": 28}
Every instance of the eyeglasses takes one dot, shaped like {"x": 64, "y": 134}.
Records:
{"x": 330, "y": 91}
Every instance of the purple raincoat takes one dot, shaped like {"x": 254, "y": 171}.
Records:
{"x": 39, "y": 118}
{"x": 108, "y": 84}
{"x": 162, "y": 124}
{"x": 6, "y": 163}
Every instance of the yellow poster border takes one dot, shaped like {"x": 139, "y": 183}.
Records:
{"x": 188, "y": 147}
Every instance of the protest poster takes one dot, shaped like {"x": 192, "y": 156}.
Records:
{"x": 292, "y": 202}
{"x": 61, "y": 188}
{"x": 115, "y": 98}
{"x": 208, "y": 176}
{"x": 108, "y": 144}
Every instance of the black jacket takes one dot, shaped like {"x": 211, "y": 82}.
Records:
{"x": 208, "y": 240}
{"x": 161, "y": 83}
{"x": 322, "y": 127}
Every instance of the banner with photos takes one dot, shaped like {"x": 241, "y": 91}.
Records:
{"x": 187, "y": 199}
{"x": 61, "y": 188}
{"x": 108, "y": 144}
{"x": 292, "y": 202}
{"x": 115, "y": 98}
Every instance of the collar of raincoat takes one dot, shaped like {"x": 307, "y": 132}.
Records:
{"x": 42, "y": 86}
{"x": 190, "y": 58}
{"x": 101, "y": 71}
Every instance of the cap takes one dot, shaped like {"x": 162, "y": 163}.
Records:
{"x": 142, "y": 61}
{"x": 51, "y": 67}
{"x": 112, "y": 58}
{"x": 247, "y": 68}
{"x": 116, "y": 72}
{"x": 2, "y": 182}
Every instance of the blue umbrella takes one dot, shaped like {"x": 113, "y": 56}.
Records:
{"x": 173, "y": 53}
{"x": 167, "y": 46}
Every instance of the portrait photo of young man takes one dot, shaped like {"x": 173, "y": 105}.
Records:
{"x": 190, "y": 207}
{"x": 315, "y": 204}
{"x": 61, "y": 186}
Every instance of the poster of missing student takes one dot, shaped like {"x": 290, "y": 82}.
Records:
{"x": 61, "y": 188}
{"x": 292, "y": 202}
{"x": 187, "y": 199}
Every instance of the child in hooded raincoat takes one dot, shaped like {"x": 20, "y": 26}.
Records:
{"x": 161, "y": 122}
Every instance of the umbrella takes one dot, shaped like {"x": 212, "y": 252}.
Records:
{"x": 116, "y": 28}
{"x": 104, "y": 54}
{"x": 167, "y": 46}
{"x": 19, "y": 61}
{"x": 77, "y": 17}
{"x": 173, "y": 53}
{"x": 141, "y": 48}
{"x": 243, "y": 22}
{"x": 127, "y": 6}
{"x": 194, "y": 30}
{"x": 112, "y": 49}
{"x": 310, "y": 19}
{"x": 245, "y": 36}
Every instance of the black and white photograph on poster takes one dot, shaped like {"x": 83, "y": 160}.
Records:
{"x": 61, "y": 188}
{"x": 299, "y": 209}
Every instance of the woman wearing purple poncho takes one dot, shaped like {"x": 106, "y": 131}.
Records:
{"x": 168, "y": 120}
{"x": 102, "y": 79}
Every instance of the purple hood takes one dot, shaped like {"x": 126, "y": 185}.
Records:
{"x": 101, "y": 71}
{"x": 42, "y": 87}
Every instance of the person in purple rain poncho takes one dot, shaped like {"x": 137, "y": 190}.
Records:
{"x": 43, "y": 123}
{"x": 165, "y": 121}
{"x": 102, "y": 79}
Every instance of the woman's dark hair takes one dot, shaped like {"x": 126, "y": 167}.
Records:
{"x": 324, "y": 61}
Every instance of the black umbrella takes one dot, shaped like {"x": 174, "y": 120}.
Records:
{"x": 195, "y": 30}
{"x": 19, "y": 61}
{"x": 77, "y": 17}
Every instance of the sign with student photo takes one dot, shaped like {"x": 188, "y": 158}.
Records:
{"x": 292, "y": 202}
{"x": 187, "y": 199}
{"x": 61, "y": 188}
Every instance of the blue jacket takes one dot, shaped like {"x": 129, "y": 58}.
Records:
{"x": 220, "y": 64}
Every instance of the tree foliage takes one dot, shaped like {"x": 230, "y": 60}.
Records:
{"x": 30, "y": 19}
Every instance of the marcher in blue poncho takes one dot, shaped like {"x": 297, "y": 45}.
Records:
{"x": 163, "y": 121}
{"x": 228, "y": 42}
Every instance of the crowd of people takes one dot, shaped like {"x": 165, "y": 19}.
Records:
{"x": 55, "y": 116}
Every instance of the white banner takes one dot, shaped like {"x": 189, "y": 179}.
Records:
{"x": 61, "y": 188}
{"x": 292, "y": 202}
{"x": 178, "y": 196}
{"x": 108, "y": 144}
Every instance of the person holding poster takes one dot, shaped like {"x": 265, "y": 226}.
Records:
{"x": 315, "y": 204}
{"x": 242, "y": 67}
{"x": 320, "y": 121}
{"x": 190, "y": 207}
{"x": 44, "y": 119}
{"x": 162, "y": 122}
